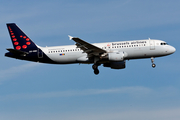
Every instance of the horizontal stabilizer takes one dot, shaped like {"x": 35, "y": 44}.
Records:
{"x": 17, "y": 52}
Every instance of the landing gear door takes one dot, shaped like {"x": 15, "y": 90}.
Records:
{"x": 40, "y": 53}
{"x": 152, "y": 44}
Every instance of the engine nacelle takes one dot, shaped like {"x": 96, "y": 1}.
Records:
{"x": 115, "y": 65}
{"x": 116, "y": 56}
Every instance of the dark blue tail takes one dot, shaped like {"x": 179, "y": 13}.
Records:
{"x": 24, "y": 47}
{"x": 19, "y": 39}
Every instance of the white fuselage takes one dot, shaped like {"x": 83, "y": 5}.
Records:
{"x": 135, "y": 49}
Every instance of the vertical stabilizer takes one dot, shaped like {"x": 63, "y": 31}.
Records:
{"x": 19, "y": 39}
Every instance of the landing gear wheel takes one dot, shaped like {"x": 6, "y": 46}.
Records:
{"x": 96, "y": 71}
{"x": 153, "y": 65}
{"x": 152, "y": 60}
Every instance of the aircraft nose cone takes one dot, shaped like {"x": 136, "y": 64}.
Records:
{"x": 172, "y": 49}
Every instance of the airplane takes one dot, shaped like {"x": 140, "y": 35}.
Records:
{"x": 110, "y": 54}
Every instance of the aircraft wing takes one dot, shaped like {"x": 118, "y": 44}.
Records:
{"x": 88, "y": 48}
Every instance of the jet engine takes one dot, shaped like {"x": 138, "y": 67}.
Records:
{"x": 115, "y": 65}
{"x": 116, "y": 56}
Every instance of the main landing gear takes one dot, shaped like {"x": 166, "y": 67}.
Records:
{"x": 95, "y": 68}
{"x": 152, "y": 60}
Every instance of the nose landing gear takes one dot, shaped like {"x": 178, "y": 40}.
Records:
{"x": 152, "y": 60}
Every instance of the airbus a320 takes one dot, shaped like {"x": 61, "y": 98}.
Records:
{"x": 108, "y": 54}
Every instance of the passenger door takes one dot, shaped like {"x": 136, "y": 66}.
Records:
{"x": 152, "y": 44}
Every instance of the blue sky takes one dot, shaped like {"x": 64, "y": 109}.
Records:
{"x": 42, "y": 91}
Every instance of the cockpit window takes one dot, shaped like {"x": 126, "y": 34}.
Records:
{"x": 164, "y": 44}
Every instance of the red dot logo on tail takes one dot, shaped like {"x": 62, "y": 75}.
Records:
{"x": 18, "y": 47}
{"x": 28, "y": 43}
{"x": 14, "y": 39}
{"x": 24, "y": 46}
{"x": 16, "y": 43}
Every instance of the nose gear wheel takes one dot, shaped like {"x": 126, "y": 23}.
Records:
{"x": 152, "y": 60}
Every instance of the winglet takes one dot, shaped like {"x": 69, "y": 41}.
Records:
{"x": 70, "y": 37}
